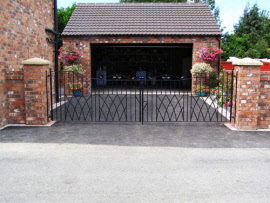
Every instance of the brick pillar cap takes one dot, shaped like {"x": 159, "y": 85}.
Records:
{"x": 247, "y": 62}
{"x": 36, "y": 61}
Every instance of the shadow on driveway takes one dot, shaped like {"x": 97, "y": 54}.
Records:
{"x": 185, "y": 135}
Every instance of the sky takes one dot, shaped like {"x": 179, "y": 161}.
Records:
{"x": 230, "y": 10}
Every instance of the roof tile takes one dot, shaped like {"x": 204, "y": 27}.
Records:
{"x": 142, "y": 19}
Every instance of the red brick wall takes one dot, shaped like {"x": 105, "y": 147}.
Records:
{"x": 85, "y": 44}
{"x": 23, "y": 36}
{"x": 3, "y": 103}
{"x": 15, "y": 97}
{"x": 264, "y": 101}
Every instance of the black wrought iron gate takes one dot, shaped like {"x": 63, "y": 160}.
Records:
{"x": 206, "y": 98}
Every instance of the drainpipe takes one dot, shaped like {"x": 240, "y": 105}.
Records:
{"x": 56, "y": 51}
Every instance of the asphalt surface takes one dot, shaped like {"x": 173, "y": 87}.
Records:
{"x": 183, "y": 162}
{"x": 187, "y": 135}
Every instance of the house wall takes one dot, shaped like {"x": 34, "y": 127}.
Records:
{"x": 23, "y": 36}
{"x": 85, "y": 44}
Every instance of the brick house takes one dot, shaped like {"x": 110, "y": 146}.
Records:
{"x": 23, "y": 36}
{"x": 156, "y": 38}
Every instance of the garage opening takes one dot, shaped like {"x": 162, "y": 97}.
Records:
{"x": 143, "y": 61}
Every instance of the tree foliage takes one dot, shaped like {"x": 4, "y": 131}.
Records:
{"x": 64, "y": 15}
{"x": 251, "y": 37}
{"x": 250, "y": 23}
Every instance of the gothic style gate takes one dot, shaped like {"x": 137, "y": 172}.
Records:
{"x": 206, "y": 98}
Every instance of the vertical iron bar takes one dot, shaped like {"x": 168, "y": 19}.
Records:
{"x": 95, "y": 100}
{"x": 152, "y": 106}
{"x": 60, "y": 97}
{"x": 147, "y": 100}
{"x": 135, "y": 84}
{"x": 130, "y": 101}
{"x": 65, "y": 96}
{"x": 236, "y": 88}
{"x": 227, "y": 94}
{"x": 126, "y": 95}
{"x": 140, "y": 107}
{"x": 56, "y": 95}
{"x": 156, "y": 103}
{"x": 222, "y": 95}
{"x": 218, "y": 94}
{"x": 142, "y": 98}
{"x": 187, "y": 93}
{"x": 82, "y": 84}
{"x": 52, "y": 116}
{"x": 232, "y": 94}
{"x": 99, "y": 95}
{"x": 47, "y": 97}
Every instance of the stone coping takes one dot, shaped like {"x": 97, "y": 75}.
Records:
{"x": 247, "y": 62}
{"x": 36, "y": 61}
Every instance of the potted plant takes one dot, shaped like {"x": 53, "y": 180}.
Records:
{"x": 76, "y": 89}
{"x": 201, "y": 90}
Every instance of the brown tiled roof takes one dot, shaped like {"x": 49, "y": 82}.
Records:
{"x": 142, "y": 19}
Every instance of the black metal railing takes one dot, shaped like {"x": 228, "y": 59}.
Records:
{"x": 203, "y": 98}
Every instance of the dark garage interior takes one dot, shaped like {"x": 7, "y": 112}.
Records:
{"x": 144, "y": 61}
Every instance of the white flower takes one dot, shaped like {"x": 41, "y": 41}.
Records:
{"x": 201, "y": 68}
{"x": 75, "y": 68}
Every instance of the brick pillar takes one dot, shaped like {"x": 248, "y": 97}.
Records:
{"x": 247, "y": 94}
{"x": 35, "y": 91}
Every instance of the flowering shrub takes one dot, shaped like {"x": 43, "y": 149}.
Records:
{"x": 69, "y": 55}
{"x": 75, "y": 68}
{"x": 75, "y": 86}
{"x": 210, "y": 54}
{"x": 222, "y": 98}
{"x": 214, "y": 91}
{"x": 200, "y": 68}
{"x": 201, "y": 88}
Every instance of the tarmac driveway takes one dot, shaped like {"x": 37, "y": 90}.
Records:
{"x": 185, "y": 162}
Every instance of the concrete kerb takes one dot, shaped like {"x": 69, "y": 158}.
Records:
{"x": 24, "y": 125}
{"x": 228, "y": 125}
